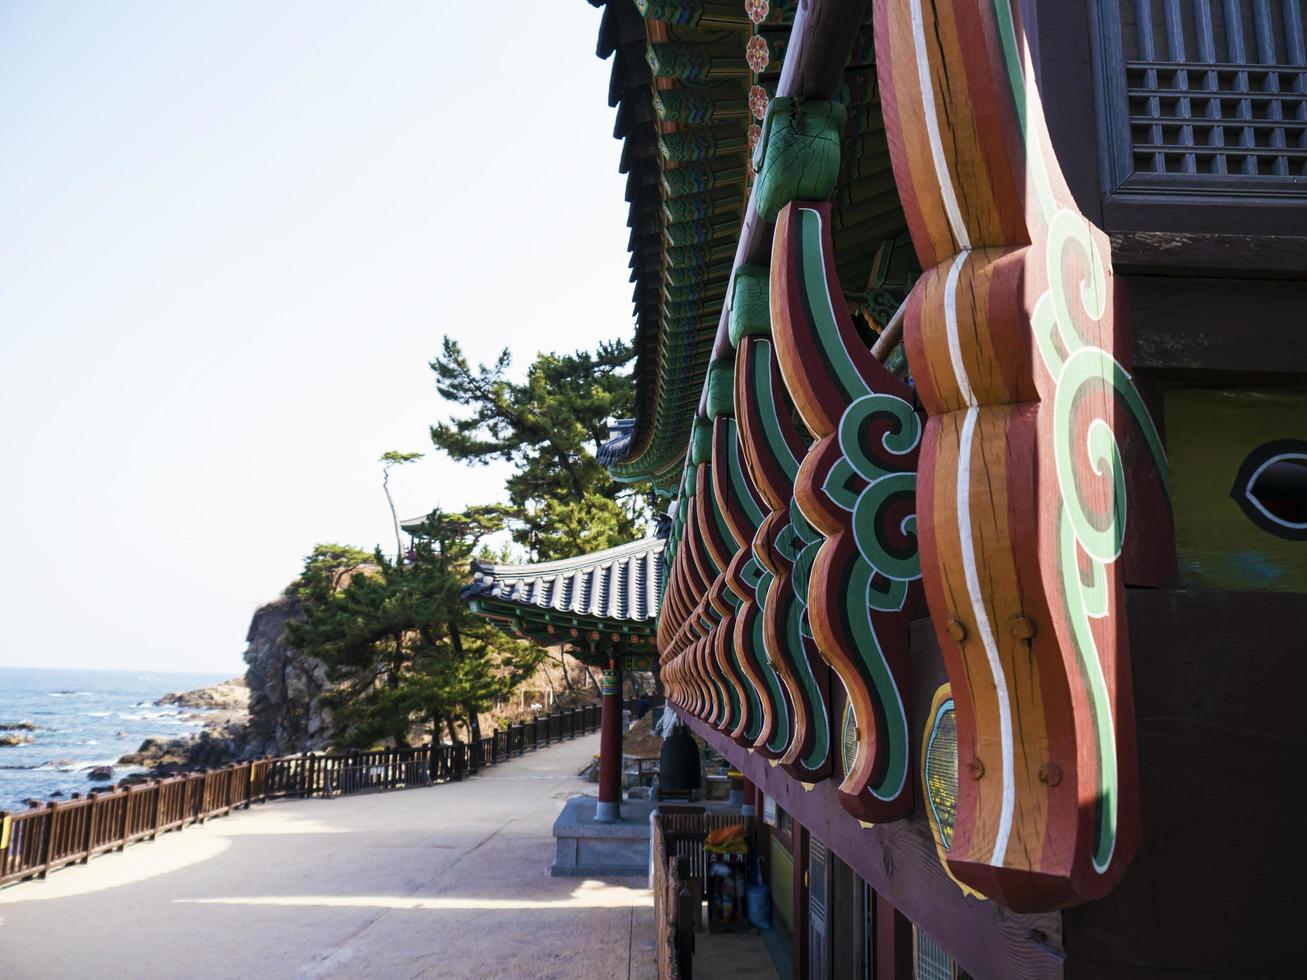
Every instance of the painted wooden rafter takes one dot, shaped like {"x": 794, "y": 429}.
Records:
{"x": 856, "y": 486}
{"x": 1035, "y": 441}
{"x": 772, "y": 446}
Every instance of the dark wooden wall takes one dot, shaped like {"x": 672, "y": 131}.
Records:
{"x": 1215, "y": 890}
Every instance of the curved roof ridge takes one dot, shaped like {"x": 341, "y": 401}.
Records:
{"x": 579, "y": 563}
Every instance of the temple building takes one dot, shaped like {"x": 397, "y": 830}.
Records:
{"x": 969, "y": 360}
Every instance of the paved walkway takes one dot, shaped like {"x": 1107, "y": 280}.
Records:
{"x": 447, "y": 882}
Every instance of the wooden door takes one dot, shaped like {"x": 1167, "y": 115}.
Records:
{"x": 819, "y": 948}
{"x": 849, "y": 930}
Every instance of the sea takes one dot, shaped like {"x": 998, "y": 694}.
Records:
{"x": 84, "y": 719}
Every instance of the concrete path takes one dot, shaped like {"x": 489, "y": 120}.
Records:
{"x": 447, "y": 882}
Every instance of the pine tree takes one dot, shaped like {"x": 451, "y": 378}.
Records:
{"x": 549, "y": 428}
{"x": 403, "y": 649}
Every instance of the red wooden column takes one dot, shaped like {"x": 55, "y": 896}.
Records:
{"x": 609, "y": 809}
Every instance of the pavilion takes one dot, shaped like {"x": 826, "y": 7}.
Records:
{"x": 602, "y": 607}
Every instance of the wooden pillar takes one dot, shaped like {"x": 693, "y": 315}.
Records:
{"x": 751, "y": 801}
{"x": 609, "y": 809}
{"x": 893, "y": 942}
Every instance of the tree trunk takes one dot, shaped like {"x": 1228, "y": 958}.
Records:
{"x": 567, "y": 674}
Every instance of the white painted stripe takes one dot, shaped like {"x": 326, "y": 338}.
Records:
{"x": 951, "y": 327}
{"x": 986, "y": 636}
{"x": 942, "y": 174}
{"x": 967, "y": 541}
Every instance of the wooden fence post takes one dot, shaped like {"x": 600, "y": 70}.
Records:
{"x": 127, "y": 816}
{"x": 47, "y": 845}
{"x": 91, "y": 819}
{"x": 204, "y": 795}
{"x": 158, "y": 806}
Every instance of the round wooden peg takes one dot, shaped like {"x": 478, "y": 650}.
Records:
{"x": 976, "y": 768}
{"x": 1022, "y": 628}
{"x": 1050, "y": 773}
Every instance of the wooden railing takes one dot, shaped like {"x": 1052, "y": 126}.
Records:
{"x": 43, "y": 839}
{"x": 679, "y": 881}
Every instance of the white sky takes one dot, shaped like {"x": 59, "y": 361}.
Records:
{"x": 231, "y": 237}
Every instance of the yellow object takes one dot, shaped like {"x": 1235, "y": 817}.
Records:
{"x": 4, "y": 832}
{"x": 723, "y": 835}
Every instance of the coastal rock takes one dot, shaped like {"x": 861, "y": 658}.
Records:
{"x": 232, "y": 695}
{"x": 286, "y": 688}
{"x": 17, "y": 726}
{"x": 12, "y": 740}
{"x": 101, "y": 773}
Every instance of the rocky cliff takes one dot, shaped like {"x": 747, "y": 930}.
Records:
{"x": 287, "y": 715}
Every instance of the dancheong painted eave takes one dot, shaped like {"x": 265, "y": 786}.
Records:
{"x": 618, "y": 588}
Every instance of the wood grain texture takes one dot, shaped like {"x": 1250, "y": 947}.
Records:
{"x": 1200, "y": 330}
{"x": 1017, "y": 342}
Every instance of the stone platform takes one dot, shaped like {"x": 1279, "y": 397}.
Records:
{"x": 584, "y": 848}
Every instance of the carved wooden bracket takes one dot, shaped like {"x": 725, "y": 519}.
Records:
{"x": 1018, "y": 350}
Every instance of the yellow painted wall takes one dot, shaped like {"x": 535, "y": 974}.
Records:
{"x": 782, "y": 881}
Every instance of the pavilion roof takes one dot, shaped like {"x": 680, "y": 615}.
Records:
{"x": 615, "y": 592}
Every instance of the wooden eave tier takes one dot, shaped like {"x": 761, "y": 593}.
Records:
{"x": 604, "y": 601}
{"x": 690, "y": 81}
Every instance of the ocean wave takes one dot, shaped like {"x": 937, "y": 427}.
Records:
{"x": 71, "y": 694}
{"x": 151, "y": 716}
{"x": 98, "y": 714}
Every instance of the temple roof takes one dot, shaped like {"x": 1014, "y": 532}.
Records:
{"x": 615, "y": 590}
{"x": 691, "y": 80}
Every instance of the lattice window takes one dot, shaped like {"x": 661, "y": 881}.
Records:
{"x": 930, "y": 962}
{"x": 1216, "y": 87}
{"x": 849, "y": 739}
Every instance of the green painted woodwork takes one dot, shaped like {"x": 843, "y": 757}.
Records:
{"x": 688, "y": 62}
{"x": 782, "y": 731}
{"x": 1209, "y": 435}
{"x": 798, "y": 156}
{"x": 703, "y": 142}
{"x": 703, "y": 14}
{"x": 716, "y": 203}
{"x": 754, "y": 726}
{"x": 700, "y": 105}
{"x": 696, "y": 255}
{"x": 700, "y": 177}
{"x": 750, "y": 303}
{"x": 700, "y": 441}
{"x": 736, "y": 476}
{"x": 693, "y": 232}
{"x": 721, "y": 388}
